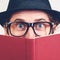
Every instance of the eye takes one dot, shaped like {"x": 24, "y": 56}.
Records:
{"x": 21, "y": 26}
{"x": 39, "y": 26}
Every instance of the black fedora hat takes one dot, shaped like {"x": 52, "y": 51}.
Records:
{"x": 17, "y": 5}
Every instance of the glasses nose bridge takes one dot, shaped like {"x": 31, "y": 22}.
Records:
{"x": 30, "y": 32}
{"x": 31, "y": 24}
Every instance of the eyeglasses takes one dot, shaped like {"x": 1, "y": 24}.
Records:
{"x": 19, "y": 29}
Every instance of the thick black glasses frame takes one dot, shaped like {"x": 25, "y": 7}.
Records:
{"x": 28, "y": 25}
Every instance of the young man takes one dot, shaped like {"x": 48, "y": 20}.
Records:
{"x": 29, "y": 19}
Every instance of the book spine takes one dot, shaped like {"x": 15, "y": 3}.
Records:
{"x": 30, "y": 49}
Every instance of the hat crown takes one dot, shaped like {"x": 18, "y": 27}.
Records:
{"x": 29, "y": 4}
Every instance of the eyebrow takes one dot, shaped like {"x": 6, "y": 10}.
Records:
{"x": 41, "y": 19}
{"x": 19, "y": 20}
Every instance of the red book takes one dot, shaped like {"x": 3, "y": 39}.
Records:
{"x": 44, "y": 48}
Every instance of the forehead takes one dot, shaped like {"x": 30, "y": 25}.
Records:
{"x": 30, "y": 15}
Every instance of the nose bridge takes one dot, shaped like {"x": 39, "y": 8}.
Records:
{"x": 30, "y": 34}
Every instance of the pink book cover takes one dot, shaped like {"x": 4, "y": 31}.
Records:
{"x": 44, "y": 48}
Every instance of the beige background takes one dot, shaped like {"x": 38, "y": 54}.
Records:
{"x": 55, "y": 4}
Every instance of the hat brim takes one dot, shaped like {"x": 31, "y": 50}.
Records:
{"x": 7, "y": 14}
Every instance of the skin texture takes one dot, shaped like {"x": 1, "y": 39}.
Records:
{"x": 31, "y": 17}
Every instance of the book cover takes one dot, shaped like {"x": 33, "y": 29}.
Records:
{"x": 44, "y": 48}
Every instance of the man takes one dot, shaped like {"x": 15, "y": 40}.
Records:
{"x": 29, "y": 19}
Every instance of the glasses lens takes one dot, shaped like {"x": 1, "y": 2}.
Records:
{"x": 40, "y": 27}
{"x": 18, "y": 28}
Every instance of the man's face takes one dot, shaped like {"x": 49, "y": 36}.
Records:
{"x": 30, "y": 17}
